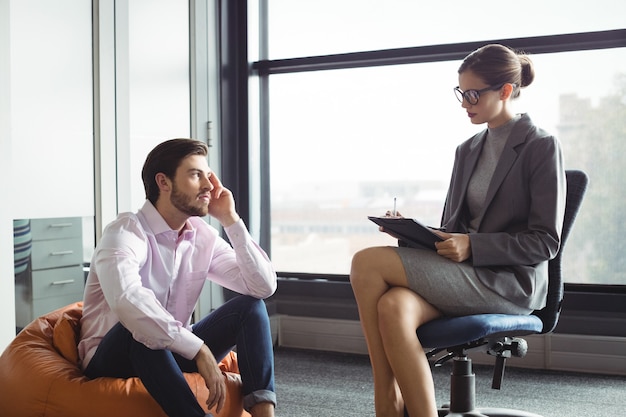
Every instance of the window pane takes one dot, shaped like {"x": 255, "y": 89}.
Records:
{"x": 344, "y": 143}
{"x": 321, "y": 27}
{"x": 52, "y": 112}
{"x": 51, "y": 109}
{"x": 158, "y": 79}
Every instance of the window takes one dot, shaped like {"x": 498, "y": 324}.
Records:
{"x": 51, "y": 112}
{"x": 158, "y": 81}
{"x": 345, "y": 142}
{"x": 321, "y": 27}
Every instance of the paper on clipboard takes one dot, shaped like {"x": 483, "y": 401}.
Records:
{"x": 408, "y": 230}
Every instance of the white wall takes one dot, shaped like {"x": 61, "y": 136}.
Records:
{"x": 46, "y": 123}
{"x": 51, "y": 108}
{"x": 7, "y": 299}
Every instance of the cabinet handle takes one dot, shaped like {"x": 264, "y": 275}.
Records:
{"x": 67, "y": 281}
{"x": 61, "y": 225}
{"x": 61, "y": 253}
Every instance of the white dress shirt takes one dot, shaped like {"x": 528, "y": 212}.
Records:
{"x": 149, "y": 277}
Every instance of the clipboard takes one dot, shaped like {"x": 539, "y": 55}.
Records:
{"x": 408, "y": 230}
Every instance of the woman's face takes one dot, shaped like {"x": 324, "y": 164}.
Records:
{"x": 491, "y": 107}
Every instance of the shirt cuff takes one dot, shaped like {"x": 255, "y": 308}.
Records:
{"x": 237, "y": 233}
{"x": 186, "y": 344}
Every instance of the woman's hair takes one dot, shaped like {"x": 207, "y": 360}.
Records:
{"x": 165, "y": 158}
{"x": 498, "y": 64}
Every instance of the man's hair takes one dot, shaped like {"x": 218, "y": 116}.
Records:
{"x": 165, "y": 158}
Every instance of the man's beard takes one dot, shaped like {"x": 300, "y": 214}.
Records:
{"x": 185, "y": 204}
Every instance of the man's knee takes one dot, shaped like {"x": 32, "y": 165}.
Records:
{"x": 253, "y": 307}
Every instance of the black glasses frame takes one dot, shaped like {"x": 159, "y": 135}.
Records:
{"x": 472, "y": 96}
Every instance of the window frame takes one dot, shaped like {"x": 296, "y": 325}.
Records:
{"x": 571, "y": 42}
{"x": 264, "y": 68}
{"x": 586, "y": 306}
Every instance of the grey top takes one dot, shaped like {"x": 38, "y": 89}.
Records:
{"x": 485, "y": 167}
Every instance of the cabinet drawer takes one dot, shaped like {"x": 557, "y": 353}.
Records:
{"x": 46, "y": 305}
{"x": 58, "y": 282}
{"x": 56, "y": 253}
{"x": 57, "y": 228}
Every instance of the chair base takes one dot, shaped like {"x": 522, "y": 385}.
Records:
{"x": 463, "y": 394}
{"x": 487, "y": 412}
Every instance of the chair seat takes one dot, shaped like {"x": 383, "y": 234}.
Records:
{"x": 454, "y": 331}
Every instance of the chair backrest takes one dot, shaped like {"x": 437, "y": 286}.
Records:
{"x": 576, "y": 186}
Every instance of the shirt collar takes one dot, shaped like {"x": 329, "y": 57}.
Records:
{"x": 157, "y": 224}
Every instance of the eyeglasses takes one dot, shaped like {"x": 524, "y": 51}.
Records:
{"x": 472, "y": 96}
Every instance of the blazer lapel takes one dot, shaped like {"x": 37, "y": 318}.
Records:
{"x": 507, "y": 159}
{"x": 471, "y": 159}
{"x": 455, "y": 221}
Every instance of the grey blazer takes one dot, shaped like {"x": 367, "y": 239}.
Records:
{"x": 520, "y": 227}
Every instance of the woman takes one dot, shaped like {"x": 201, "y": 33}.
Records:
{"x": 501, "y": 225}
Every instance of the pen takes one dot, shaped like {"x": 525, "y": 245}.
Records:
{"x": 394, "y": 212}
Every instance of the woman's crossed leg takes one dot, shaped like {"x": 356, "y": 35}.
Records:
{"x": 390, "y": 313}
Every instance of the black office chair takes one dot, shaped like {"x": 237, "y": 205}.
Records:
{"x": 498, "y": 333}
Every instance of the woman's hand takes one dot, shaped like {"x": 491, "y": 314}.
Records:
{"x": 213, "y": 378}
{"x": 455, "y": 246}
{"x": 389, "y": 213}
{"x": 397, "y": 215}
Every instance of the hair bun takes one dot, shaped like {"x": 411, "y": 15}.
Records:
{"x": 528, "y": 70}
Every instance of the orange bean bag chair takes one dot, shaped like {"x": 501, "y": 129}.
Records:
{"x": 40, "y": 377}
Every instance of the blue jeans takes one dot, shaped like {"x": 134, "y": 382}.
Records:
{"x": 241, "y": 322}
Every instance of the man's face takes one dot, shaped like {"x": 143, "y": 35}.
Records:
{"x": 191, "y": 187}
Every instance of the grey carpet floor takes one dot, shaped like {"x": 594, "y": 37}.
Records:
{"x": 326, "y": 384}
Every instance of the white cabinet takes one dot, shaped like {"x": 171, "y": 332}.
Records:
{"x": 54, "y": 277}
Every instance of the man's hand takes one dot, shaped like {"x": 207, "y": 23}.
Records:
{"x": 456, "y": 246}
{"x": 222, "y": 204}
{"x": 213, "y": 378}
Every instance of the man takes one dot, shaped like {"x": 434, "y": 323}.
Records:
{"x": 146, "y": 276}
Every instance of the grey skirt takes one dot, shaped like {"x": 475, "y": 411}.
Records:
{"x": 452, "y": 287}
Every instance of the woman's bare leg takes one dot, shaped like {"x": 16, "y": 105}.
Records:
{"x": 400, "y": 312}
{"x": 374, "y": 271}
